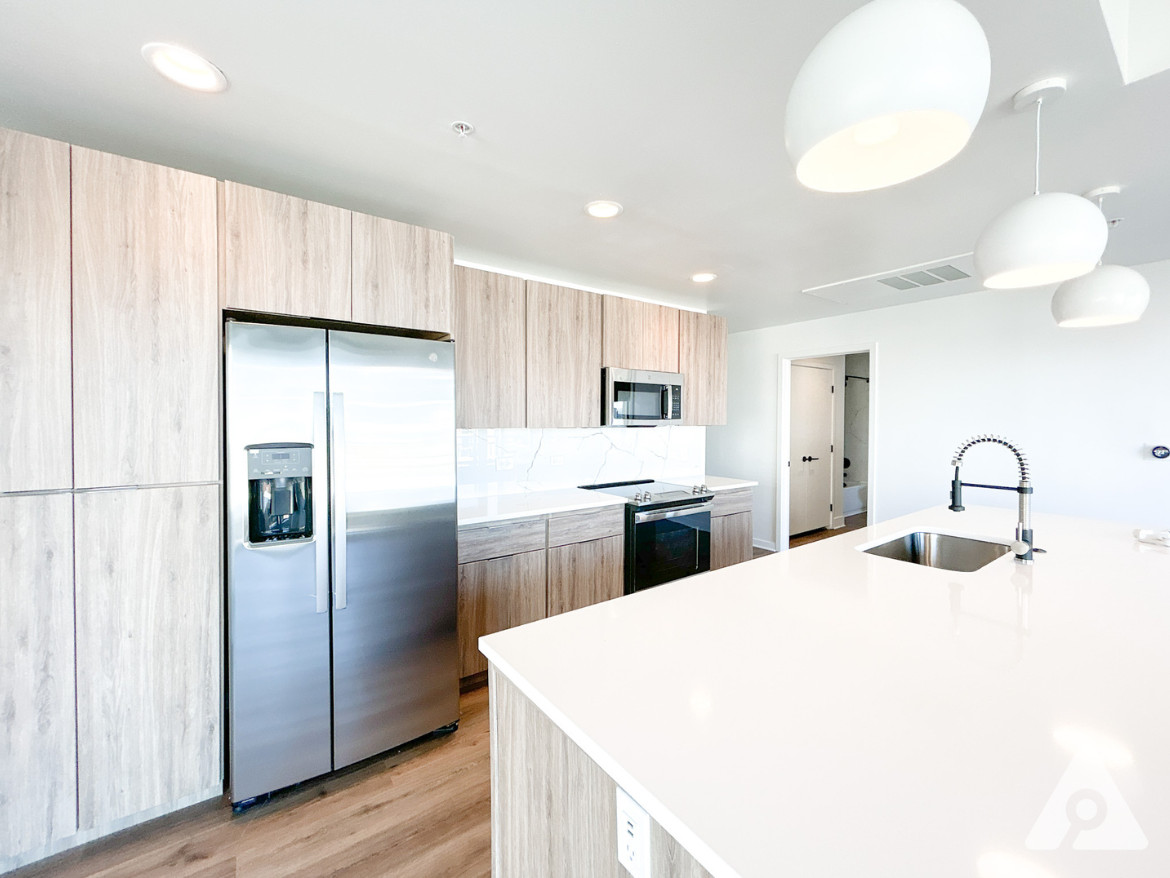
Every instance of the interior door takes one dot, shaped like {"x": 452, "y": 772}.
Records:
{"x": 392, "y": 446}
{"x": 811, "y": 484}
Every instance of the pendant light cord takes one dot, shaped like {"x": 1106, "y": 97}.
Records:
{"x": 1039, "y": 105}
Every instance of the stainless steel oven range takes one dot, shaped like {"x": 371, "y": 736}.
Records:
{"x": 668, "y": 530}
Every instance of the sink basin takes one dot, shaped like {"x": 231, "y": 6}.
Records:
{"x": 944, "y": 551}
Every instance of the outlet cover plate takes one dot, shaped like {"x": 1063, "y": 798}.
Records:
{"x": 633, "y": 836}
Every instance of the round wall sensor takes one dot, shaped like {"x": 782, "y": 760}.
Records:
{"x": 1161, "y": 452}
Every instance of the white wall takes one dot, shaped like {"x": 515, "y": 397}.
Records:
{"x": 1086, "y": 405}
{"x": 508, "y": 461}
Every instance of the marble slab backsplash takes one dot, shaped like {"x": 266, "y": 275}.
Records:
{"x": 511, "y": 461}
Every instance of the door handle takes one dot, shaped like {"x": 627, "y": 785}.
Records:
{"x": 320, "y": 466}
{"x": 806, "y": 459}
{"x": 337, "y": 484}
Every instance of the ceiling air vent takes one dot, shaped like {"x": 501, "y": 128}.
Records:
{"x": 914, "y": 283}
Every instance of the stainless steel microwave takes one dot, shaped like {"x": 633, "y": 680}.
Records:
{"x": 636, "y": 398}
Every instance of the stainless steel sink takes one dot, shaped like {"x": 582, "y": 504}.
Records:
{"x": 944, "y": 551}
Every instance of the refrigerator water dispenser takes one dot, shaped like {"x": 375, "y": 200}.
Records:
{"x": 280, "y": 492}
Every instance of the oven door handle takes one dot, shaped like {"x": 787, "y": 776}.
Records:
{"x": 659, "y": 515}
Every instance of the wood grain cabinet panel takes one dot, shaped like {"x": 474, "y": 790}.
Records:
{"x": 481, "y": 542}
{"x": 639, "y": 335}
{"x": 731, "y": 539}
{"x": 730, "y": 502}
{"x": 489, "y": 343}
{"x": 494, "y": 595}
{"x": 702, "y": 354}
{"x": 285, "y": 255}
{"x": 149, "y": 654}
{"x": 145, "y": 323}
{"x": 564, "y": 357}
{"x": 402, "y": 275}
{"x": 581, "y": 574}
{"x": 38, "y": 750}
{"x": 36, "y": 451}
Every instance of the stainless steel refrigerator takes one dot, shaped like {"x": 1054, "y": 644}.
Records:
{"x": 341, "y": 558}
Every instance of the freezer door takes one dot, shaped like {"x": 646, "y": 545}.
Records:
{"x": 278, "y": 592}
{"x": 395, "y": 660}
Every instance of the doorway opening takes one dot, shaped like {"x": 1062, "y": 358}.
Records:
{"x": 825, "y": 483}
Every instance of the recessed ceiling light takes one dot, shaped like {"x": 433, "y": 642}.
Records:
{"x": 603, "y": 209}
{"x": 184, "y": 67}
{"x": 704, "y": 277}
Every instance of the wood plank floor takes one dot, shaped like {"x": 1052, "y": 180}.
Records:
{"x": 424, "y": 812}
{"x": 852, "y": 522}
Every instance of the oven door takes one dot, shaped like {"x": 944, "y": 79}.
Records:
{"x": 668, "y": 544}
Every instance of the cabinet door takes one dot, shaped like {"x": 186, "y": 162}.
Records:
{"x": 639, "y": 335}
{"x": 564, "y": 357}
{"x": 731, "y": 539}
{"x": 402, "y": 275}
{"x": 702, "y": 354}
{"x": 38, "y": 750}
{"x": 145, "y": 323}
{"x": 285, "y": 255}
{"x": 149, "y": 654}
{"x": 581, "y": 574}
{"x": 494, "y": 595}
{"x": 489, "y": 345}
{"x": 36, "y": 427}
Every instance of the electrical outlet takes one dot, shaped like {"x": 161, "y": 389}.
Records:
{"x": 633, "y": 835}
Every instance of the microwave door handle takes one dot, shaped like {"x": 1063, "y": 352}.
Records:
{"x": 667, "y": 402}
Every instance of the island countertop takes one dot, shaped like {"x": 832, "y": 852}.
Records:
{"x": 824, "y": 712}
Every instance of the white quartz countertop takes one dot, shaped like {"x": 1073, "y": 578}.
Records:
{"x": 528, "y": 504}
{"x": 501, "y": 507}
{"x": 825, "y": 713}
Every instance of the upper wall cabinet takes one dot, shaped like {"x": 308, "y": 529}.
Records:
{"x": 285, "y": 255}
{"x": 639, "y": 335}
{"x": 145, "y": 323}
{"x": 564, "y": 357}
{"x": 702, "y": 354}
{"x": 36, "y": 425}
{"x": 401, "y": 275}
{"x": 489, "y": 345}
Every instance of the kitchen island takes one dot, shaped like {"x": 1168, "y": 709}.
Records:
{"x": 826, "y": 712}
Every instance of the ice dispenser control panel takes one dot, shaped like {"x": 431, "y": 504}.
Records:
{"x": 280, "y": 492}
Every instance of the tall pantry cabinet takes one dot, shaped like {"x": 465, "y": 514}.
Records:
{"x": 109, "y": 495}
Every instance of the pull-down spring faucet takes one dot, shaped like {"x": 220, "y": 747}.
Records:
{"x": 1024, "y": 489}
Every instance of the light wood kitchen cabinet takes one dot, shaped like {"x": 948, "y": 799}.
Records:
{"x": 490, "y": 367}
{"x": 496, "y": 594}
{"x": 639, "y": 335}
{"x": 36, "y": 444}
{"x": 702, "y": 354}
{"x": 284, "y": 255}
{"x": 402, "y": 275}
{"x": 149, "y": 652}
{"x": 581, "y": 574}
{"x": 731, "y": 527}
{"x": 564, "y": 357}
{"x": 145, "y": 323}
{"x": 38, "y": 750}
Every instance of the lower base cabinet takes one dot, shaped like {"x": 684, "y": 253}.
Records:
{"x": 496, "y": 594}
{"x": 581, "y": 574}
{"x": 38, "y": 750}
{"x": 731, "y": 539}
{"x": 149, "y": 652}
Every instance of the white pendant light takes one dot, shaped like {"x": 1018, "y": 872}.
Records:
{"x": 1046, "y": 238}
{"x": 1109, "y": 295}
{"x": 890, "y": 93}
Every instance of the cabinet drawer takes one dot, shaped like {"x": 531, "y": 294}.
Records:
{"x": 480, "y": 542}
{"x": 578, "y": 527}
{"x": 731, "y": 502}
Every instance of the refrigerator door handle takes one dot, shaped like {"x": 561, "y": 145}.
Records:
{"x": 320, "y": 465}
{"x": 337, "y": 485}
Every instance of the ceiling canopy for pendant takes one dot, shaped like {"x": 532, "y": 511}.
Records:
{"x": 1046, "y": 238}
{"x": 890, "y": 93}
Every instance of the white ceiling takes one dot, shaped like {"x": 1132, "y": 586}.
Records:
{"x": 672, "y": 107}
